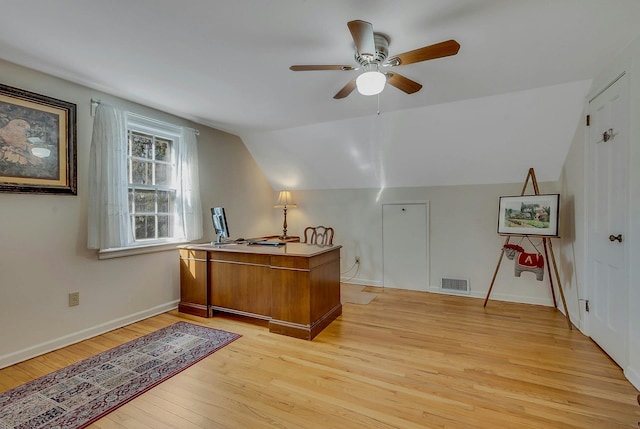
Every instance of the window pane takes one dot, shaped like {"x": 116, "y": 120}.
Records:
{"x": 163, "y": 149}
{"x": 152, "y": 182}
{"x": 164, "y": 226}
{"x": 145, "y": 201}
{"x": 141, "y": 172}
{"x": 145, "y": 227}
{"x": 141, "y": 145}
{"x": 164, "y": 173}
{"x": 164, "y": 201}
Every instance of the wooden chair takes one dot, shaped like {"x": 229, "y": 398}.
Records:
{"x": 321, "y": 235}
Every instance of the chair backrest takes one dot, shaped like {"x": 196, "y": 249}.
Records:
{"x": 322, "y": 235}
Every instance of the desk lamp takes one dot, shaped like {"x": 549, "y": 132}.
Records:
{"x": 284, "y": 201}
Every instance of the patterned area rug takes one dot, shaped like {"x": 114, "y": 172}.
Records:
{"x": 77, "y": 395}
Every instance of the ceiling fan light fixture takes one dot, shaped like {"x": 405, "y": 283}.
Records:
{"x": 372, "y": 55}
{"x": 371, "y": 82}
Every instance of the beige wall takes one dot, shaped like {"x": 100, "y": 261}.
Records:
{"x": 463, "y": 241}
{"x": 43, "y": 254}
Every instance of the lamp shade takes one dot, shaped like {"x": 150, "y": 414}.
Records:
{"x": 284, "y": 200}
{"x": 371, "y": 83}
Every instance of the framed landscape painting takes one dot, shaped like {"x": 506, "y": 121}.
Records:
{"x": 37, "y": 143}
{"x": 529, "y": 215}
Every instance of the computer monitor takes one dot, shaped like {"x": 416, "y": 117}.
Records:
{"x": 220, "y": 226}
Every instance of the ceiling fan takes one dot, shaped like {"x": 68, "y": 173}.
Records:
{"x": 372, "y": 55}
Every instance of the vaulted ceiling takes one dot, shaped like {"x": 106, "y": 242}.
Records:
{"x": 511, "y": 98}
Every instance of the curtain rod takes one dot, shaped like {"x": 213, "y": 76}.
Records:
{"x": 96, "y": 101}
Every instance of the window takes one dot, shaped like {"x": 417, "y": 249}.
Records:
{"x": 143, "y": 187}
{"x": 151, "y": 172}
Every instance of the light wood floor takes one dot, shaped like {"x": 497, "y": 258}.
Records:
{"x": 406, "y": 360}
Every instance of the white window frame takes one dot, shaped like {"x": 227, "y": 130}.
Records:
{"x": 171, "y": 186}
{"x": 138, "y": 123}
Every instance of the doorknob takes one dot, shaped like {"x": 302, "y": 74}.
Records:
{"x": 615, "y": 237}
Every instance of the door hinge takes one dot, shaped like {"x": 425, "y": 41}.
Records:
{"x": 586, "y": 304}
{"x": 588, "y": 120}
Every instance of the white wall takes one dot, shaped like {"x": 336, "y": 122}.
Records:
{"x": 43, "y": 254}
{"x": 571, "y": 250}
{"x": 463, "y": 239}
{"x": 572, "y": 183}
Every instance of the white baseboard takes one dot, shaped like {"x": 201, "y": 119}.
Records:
{"x": 436, "y": 289}
{"x": 497, "y": 297}
{"x": 361, "y": 282}
{"x": 66, "y": 340}
{"x": 515, "y": 298}
{"x": 633, "y": 376}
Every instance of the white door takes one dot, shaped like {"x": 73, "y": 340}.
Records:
{"x": 405, "y": 246}
{"x": 607, "y": 220}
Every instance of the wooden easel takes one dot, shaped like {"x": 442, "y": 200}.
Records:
{"x": 548, "y": 249}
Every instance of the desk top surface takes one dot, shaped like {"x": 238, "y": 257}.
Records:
{"x": 288, "y": 249}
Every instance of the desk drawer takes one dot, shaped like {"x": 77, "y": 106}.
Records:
{"x": 199, "y": 255}
{"x": 294, "y": 262}
{"x": 239, "y": 258}
{"x": 302, "y": 263}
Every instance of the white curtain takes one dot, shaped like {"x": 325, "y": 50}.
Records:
{"x": 189, "y": 191}
{"x": 109, "y": 225}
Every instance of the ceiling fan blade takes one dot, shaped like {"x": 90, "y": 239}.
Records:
{"x": 362, "y": 33}
{"x": 319, "y": 67}
{"x": 403, "y": 83}
{"x": 346, "y": 90}
{"x": 439, "y": 50}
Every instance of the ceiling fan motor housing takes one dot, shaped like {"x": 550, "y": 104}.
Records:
{"x": 382, "y": 51}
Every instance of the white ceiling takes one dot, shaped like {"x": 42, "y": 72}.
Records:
{"x": 520, "y": 78}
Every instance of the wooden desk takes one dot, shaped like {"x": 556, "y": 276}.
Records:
{"x": 296, "y": 287}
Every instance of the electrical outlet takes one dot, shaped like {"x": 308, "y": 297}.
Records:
{"x": 357, "y": 259}
{"x": 74, "y": 299}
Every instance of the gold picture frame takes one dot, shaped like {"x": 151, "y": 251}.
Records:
{"x": 37, "y": 143}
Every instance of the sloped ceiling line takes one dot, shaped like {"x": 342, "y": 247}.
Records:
{"x": 479, "y": 141}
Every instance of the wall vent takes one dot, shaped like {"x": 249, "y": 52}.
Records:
{"x": 454, "y": 285}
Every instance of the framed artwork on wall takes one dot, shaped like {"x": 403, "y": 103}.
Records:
{"x": 37, "y": 143}
{"x": 529, "y": 215}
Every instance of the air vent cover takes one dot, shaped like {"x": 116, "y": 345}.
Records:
{"x": 454, "y": 285}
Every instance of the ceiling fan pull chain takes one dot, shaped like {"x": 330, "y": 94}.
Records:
{"x": 378, "y": 104}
